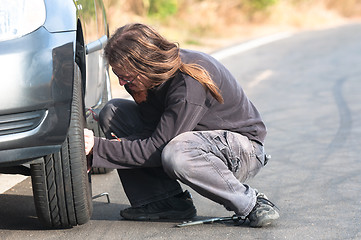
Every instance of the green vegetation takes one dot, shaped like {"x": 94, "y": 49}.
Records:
{"x": 260, "y": 5}
{"x": 162, "y": 8}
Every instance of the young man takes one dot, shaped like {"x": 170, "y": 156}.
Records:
{"x": 191, "y": 121}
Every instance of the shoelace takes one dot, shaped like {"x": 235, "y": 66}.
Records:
{"x": 266, "y": 201}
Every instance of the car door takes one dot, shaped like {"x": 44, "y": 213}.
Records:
{"x": 95, "y": 37}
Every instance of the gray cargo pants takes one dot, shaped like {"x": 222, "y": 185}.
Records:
{"x": 213, "y": 163}
{"x": 216, "y": 164}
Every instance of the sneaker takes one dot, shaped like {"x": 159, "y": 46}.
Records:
{"x": 263, "y": 213}
{"x": 177, "y": 207}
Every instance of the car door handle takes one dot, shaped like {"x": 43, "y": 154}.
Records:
{"x": 96, "y": 45}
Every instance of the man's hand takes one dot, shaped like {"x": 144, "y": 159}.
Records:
{"x": 89, "y": 140}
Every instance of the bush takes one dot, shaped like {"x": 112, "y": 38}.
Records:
{"x": 162, "y": 8}
{"x": 259, "y": 5}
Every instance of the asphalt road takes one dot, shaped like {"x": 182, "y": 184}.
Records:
{"x": 306, "y": 87}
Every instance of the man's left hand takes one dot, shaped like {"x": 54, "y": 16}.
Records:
{"x": 89, "y": 140}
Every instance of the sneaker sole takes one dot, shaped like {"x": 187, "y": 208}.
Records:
{"x": 265, "y": 221}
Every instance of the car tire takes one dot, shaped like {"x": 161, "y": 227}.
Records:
{"x": 61, "y": 185}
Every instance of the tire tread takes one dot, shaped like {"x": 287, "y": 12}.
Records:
{"x": 62, "y": 191}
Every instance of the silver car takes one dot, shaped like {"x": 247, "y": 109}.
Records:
{"x": 53, "y": 76}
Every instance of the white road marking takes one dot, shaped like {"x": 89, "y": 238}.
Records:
{"x": 7, "y": 181}
{"x": 261, "y": 77}
{"x": 249, "y": 45}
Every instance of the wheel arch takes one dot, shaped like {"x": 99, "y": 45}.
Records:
{"x": 80, "y": 58}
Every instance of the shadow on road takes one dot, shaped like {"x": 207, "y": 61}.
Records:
{"x": 105, "y": 211}
{"x": 17, "y": 212}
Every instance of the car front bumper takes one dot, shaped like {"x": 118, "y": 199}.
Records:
{"x": 35, "y": 94}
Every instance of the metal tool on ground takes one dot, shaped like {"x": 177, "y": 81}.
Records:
{"x": 234, "y": 218}
{"x": 101, "y": 195}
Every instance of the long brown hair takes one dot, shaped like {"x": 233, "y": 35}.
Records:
{"x": 140, "y": 49}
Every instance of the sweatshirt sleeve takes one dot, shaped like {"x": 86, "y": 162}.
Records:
{"x": 180, "y": 115}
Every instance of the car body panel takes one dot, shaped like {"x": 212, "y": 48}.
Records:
{"x": 37, "y": 79}
{"x": 33, "y": 66}
{"x": 95, "y": 62}
{"x": 65, "y": 10}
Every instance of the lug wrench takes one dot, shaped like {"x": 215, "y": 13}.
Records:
{"x": 234, "y": 218}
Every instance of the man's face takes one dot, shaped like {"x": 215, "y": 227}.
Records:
{"x": 134, "y": 81}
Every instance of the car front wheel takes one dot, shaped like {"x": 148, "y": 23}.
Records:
{"x": 61, "y": 185}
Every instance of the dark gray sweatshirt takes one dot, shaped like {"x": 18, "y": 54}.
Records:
{"x": 179, "y": 105}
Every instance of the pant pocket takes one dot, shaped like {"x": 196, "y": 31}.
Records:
{"x": 224, "y": 143}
